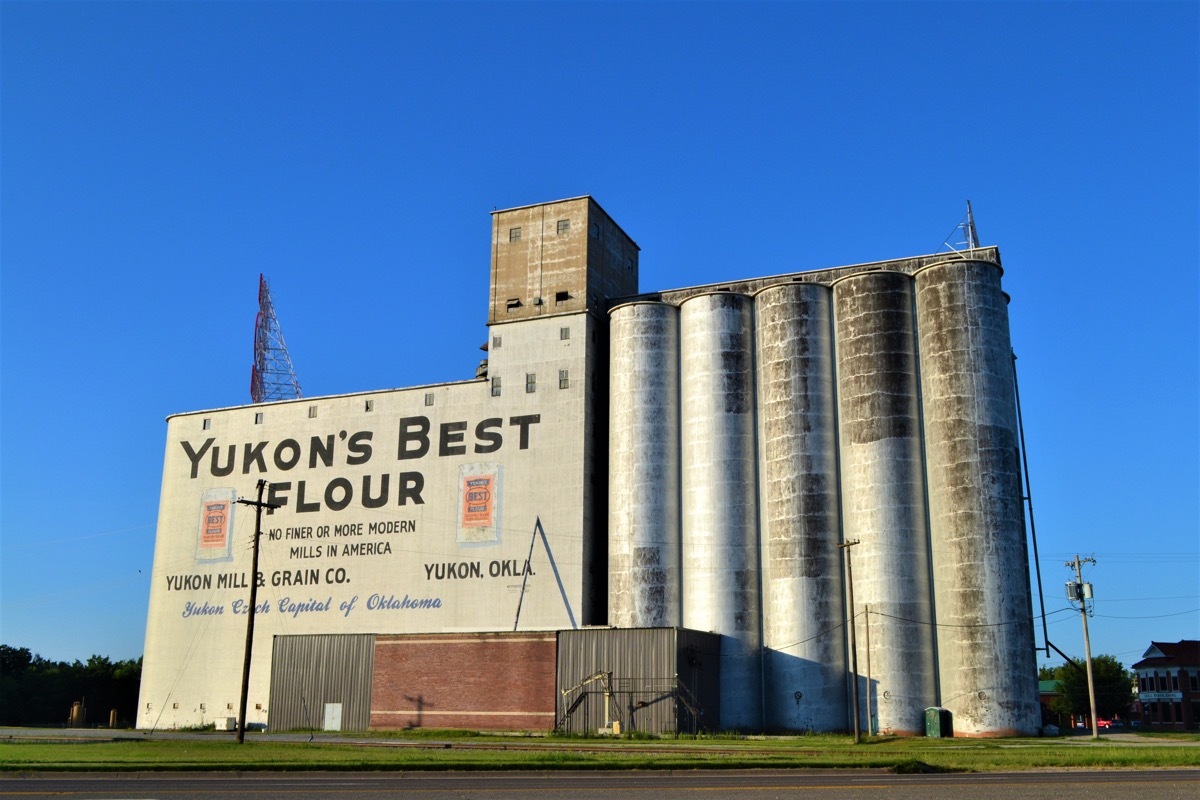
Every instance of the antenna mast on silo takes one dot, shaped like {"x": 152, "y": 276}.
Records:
{"x": 964, "y": 236}
{"x": 272, "y": 376}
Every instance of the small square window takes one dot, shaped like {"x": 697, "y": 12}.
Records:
{"x": 495, "y": 386}
{"x": 229, "y": 706}
{"x": 561, "y": 297}
{"x": 564, "y": 379}
{"x": 628, "y": 264}
{"x": 258, "y": 418}
{"x": 203, "y": 707}
{"x": 513, "y": 303}
{"x": 258, "y": 706}
{"x": 369, "y": 405}
{"x": 206, "y": 424}
{"x": 429, "y": 398}
{"x": 564, "y": 333}
{"x": 495, "y": 341}
{"x": 312, "y": 412}
{"x": 514, "y": 234}
{"x": 530, "y": 382}
{"x": 564, "y": 227}
{"x": 174, "y": 705}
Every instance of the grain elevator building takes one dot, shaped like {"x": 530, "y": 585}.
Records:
{"x": 696, "y": 462}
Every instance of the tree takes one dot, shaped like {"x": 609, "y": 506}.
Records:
{"x": 1114, "y": 689}
{"x": 14, "y": 660}
{"x": 35, "y": 690}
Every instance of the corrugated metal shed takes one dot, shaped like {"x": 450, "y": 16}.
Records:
{"x": 655, "y": 680}
{"x": 309, "y": 672}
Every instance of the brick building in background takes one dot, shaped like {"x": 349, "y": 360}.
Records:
{"x": 1168, "y": 681}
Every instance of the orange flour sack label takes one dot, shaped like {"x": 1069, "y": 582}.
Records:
{"x": 479, "y": 503}
{"x": 215, "y": 528}
{"x": 215, "y": 540}
{"x": 478, "y": 494}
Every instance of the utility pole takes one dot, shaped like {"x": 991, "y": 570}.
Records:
{"x": 1082, "y": 592}
{"x": 867, "y": 627}
{"x": 853, "y": 647}
{"x": 259, "y": 505}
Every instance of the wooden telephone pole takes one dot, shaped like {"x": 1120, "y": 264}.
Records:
{"x": 850, "y": 634}
{"x": 1083, "y": 592}
{"x": 259, "y": 505}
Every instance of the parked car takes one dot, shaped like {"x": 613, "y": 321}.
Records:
{"x": 1103, "y": 724}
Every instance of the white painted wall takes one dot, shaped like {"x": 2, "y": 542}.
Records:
{"x": 403, "y": 567}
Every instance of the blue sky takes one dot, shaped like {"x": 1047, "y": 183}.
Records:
{"x": 156, "y": 157}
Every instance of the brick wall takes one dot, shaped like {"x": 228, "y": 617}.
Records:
{"x": 472, "y": 681}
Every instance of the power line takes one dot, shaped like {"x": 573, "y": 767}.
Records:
{"x": 1158, "y": 616}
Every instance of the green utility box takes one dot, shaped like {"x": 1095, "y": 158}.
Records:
{"x": 938, "y": 723}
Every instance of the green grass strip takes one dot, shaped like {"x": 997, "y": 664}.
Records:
{"x": 263, "y": 752}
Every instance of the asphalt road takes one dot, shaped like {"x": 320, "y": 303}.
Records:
{"x": 648, "y": 785}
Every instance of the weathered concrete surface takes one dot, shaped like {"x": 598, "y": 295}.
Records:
{"x": 720, "y": 514}
{"x": 558, "y": 258}
{"x": 643, "y": 483}
{"x": 883, "y": 505}
{"x": 804, "y": 668}
{"x": 986, "y": 659}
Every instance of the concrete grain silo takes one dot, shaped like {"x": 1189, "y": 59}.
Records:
{"x": 986, "y": 660}
{"x": 804, "y": 653}
{"x": 883, "y": 495}
{"x": 749, "y": 432}
{"x": 720, "y": 515}
{"x": 643, "y": 513}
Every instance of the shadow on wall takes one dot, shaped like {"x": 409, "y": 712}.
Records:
{"x": 419, "y": 702}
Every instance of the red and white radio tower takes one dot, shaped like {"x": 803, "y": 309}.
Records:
{"x": 272, "y": 376}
